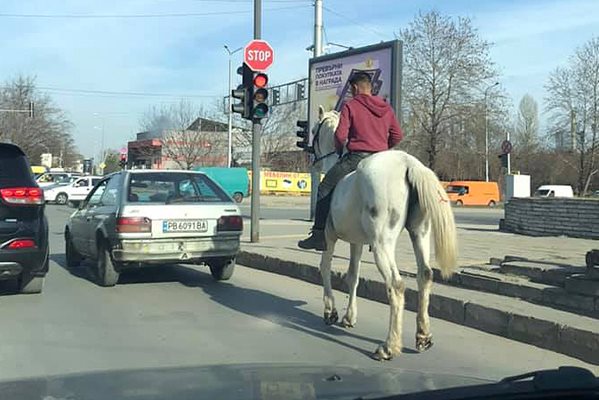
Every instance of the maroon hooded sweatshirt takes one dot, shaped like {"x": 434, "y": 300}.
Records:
{"x": 368, "y": 124}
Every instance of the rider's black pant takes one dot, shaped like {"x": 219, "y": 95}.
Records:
{"x": 346, "y": 164}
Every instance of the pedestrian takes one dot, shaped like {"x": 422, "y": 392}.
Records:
{"x": 367, "y": 125}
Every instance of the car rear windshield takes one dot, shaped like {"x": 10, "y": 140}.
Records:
{"x": 14, "y": 169}
{"x": 173, "y": 188}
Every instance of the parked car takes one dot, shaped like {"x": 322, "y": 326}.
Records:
{"x": 473, "y": 193}
{"x": 554, "y": 191}
{"x": 74, "y": 192}
{"x": 143, "y": 217}
{"x": 23, "y": 225}
{"x": 234, "y": 181}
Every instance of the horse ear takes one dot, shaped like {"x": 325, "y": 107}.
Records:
{"x": 320, "y": 112}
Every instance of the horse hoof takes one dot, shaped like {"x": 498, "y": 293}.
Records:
{"x": 331, "y": 318}
{"x": 382, "y": 353}
{"x": 346, "y": 323}
{"x": 424, "y": 343}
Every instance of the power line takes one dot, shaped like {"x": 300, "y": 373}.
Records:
{"x": 122, "y": 93}
{"x": 353, "y": 21}
{"x": 140, "y": 16}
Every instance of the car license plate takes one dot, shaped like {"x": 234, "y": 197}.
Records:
{"x": 185, "y": 225}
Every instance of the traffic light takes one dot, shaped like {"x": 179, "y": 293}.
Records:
{"x": 276, "y": 96}
{"x": 300, "y": 91}
{"x": 304, "y": 135}
{"x": 259, "y": 96}
{"x": 123, "y": 160}
{"x": 31, "y": 109}
{"x": 244, "y": 92}
{"x": 503, "y": 158}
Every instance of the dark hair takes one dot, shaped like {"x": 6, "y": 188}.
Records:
{"x": 360, "y": 77}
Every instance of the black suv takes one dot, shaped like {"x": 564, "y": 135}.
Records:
{"x": 23, "y": 224}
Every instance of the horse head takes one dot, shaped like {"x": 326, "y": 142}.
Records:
{"x": 323, "y": 142}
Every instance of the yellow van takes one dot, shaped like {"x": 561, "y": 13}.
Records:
{"x": 473, "y": 193}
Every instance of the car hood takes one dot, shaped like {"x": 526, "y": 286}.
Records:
{"x": 234, "y": 382}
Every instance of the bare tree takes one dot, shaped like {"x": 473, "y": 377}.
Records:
{"x": 527, "y": 124}
{"x": 48, "y": 131}
{"x": 278, "y": 138}
{"x": 446, "y": 64}
{"x": 573, "y": 101}
{"x": 187, "y": 140}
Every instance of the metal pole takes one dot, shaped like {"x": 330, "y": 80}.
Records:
{"x": 486, "y": 140}
{"x": 256, "y": 130}
{"x": 315, "y": 172}
{"x": 229, "y": 155}
{"x": 487, "y": 130}
{"x": 509, "y": 159}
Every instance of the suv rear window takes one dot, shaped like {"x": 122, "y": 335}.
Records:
{"x": 14, "y": 168}
{"x": 173, "y": 188}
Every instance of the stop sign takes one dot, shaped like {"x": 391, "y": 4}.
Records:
{"x": 258, "y": 55}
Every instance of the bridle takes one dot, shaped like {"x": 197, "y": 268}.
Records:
{"x": 316, "y": 144}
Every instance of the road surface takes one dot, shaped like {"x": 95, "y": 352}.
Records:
{"x": 177, "y": 316}
{"x": 299, "y": 211}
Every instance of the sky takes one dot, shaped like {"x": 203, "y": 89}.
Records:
{"x": 166, "y": 50}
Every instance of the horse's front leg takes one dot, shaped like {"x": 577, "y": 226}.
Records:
{"x": 352, "y": 278}
{"x": 330, "y": 312}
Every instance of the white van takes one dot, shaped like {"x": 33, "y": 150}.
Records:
{"x": 554, "y": 191}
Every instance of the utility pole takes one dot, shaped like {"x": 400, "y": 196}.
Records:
{"x": 256, "y": 131}
{"x": 315, "y": 171}
{"x": 487, "y": 130}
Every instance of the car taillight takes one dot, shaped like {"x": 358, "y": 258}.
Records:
{"x": 19, "y": 244}
{"x": 22, "y": 195}
{"x": 133, "y": 225}
{"x": 230, "y": 223}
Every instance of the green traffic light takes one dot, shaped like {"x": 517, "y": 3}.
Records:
{"x": 260, "y": 110}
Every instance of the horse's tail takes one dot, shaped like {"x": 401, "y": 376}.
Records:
{"x": 436, "y": 206}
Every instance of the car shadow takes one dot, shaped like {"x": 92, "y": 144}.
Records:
{"x": 284, "y": 312}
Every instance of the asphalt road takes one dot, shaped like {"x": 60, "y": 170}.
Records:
{"x": 300, "y": 211}
{"x": 178, "y": 316}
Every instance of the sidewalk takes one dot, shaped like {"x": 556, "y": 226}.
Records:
{"x": 510, "y": 317}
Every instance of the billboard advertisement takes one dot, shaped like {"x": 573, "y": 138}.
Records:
{"x": 329, "y": 76}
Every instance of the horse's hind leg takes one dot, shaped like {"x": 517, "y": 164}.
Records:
{"x": 352, "y": 278}
{"x": 420, "y": 231}
{"x": 384, "y": 255}
{"x": 330, "y": 312}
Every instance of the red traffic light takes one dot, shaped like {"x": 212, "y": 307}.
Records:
{"x": 260, "y": 80}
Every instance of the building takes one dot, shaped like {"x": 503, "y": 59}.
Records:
{"x": 203, "y": 143}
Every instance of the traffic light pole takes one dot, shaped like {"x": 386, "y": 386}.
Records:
{"x": 315, "y": 172}
{"x": 256, "y": 131}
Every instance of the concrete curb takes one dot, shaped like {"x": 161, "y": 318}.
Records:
{"x": 550, "y": 335}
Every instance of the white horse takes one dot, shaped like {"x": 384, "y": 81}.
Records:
{"x": 389, "y": 191}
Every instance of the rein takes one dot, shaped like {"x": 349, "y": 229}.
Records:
{"x": 316, "y": 143}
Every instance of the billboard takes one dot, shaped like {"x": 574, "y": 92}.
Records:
{"x": 329, "y": 76}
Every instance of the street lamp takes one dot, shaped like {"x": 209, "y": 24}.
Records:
{"x": 230, "y": 147}
{"x": 487, "y": 131}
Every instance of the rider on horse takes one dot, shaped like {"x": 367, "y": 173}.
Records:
{"x": 367, "y": 125}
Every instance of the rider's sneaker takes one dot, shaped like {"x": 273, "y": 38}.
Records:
{"x": 315, "y": 241}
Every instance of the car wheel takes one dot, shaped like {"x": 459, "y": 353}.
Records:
{"x": 72, "y": 255}
{"x": 238, "y": 197}
{"x": 62, "y": 198}
{"x": 29, "y": 284}
{"x": 459, "y": 203}
{"x": 492, "y": 203}
{"x": 222, "y": 269}
{"x": 107, "y": 275}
